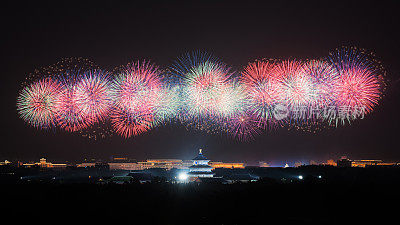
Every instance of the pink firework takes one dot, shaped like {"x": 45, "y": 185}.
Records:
{"x": 358, "y": 88}
{"x": 360, "y": 83}
{"x": 297, "y": 86}
{"x": 127, "y": 122}
{"x": 263, "y": 88}
{"x": 205, "y": 86}
{"x": 243, "y": 127}
{"x": 136, "y": 95}
{"x": 92, "y": 96}
{"x": 69, "y": 116}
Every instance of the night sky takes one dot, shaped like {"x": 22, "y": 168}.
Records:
{"x": 35, "y": 35}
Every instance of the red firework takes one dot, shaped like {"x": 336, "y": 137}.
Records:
{"x": 69, "y": 116}
{"x": 136, "y": 94}
{"x": 297, "y": 86}
{"x": 358, "y": 88}
{"x": 263, "y": 88}
{"x": 93, "y": 97}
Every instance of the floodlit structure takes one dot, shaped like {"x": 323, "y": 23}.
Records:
{"x": 44, "y": 164}
{"x": 200, "y": 167}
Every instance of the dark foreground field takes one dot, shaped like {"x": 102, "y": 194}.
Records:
{"x": 263, "y": 202}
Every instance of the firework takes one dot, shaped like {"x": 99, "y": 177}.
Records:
{"x": 297, "y": 86}
{"x": 136, "y": 94}
{"x": 37, "y": 103}
{"x": 243, "y": 127}
{"x": 263, "y": 88}
{"x": 69, "y": 116}
{"x": 92, "y": 95}
{"x": 169, "y": 104}
{"x": 325, "y": 79}
{"x": 360, "y": 82}
{"x": 201, "y": 92}
{"x": 206, "y": 86}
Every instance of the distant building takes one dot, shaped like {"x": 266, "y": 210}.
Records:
{"x": 102, "y": 166}
{"x": 298, "y": 164}
{"x": 86, "y": 164}
{"x": 44, "y": 164}
{"x": 163, "y": 163}
{"x": 227, "y": 165}
{"x": 124, "y": 166}
{"x": 370, "y": 162}
{"x": 263, "y": 164}
{"x": 200, "y": 167}
{"x": 6, "y": 162}
{"x": 344, "y": 162}
{"x": 186, "y": 164}
{"x": 127, "y": 164}
{"x": 330, "y": 162}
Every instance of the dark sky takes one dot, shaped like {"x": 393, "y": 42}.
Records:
{"x": 39, "y": 34}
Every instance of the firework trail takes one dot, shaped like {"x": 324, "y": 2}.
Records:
{"x": 243, "y": 127}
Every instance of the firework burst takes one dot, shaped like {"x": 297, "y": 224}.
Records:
{"x": 360, "y": 82}
{"x": 203, "y": 93}
{"x": 263, "y": 88}
{"x": 69, "y": 116}
{"x": 136, "y": 94}
{"x": 92, "y": 95}
{"x": 37, "y": 103}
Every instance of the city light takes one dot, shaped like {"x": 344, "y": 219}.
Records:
{"x": 182, "y": 176}
{"x": 300, "y": 177}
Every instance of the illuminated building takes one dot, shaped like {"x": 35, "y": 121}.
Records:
{"x": 200, "y": 167}
{"x": 263, "y": 164}
{"x": 186, "y": 164}
{"x": 298, "y": 164}
{"x": 86, "y": 164}
{"x": 6, "y": 162}
{"x": 125, "y": 164}
{"x": 330, "y": 162}
{"x": 227, "y": 165}
{"x": 44, "y": 164}
{"x": 344, "y": 162}
{"x": 163, "y": 163}
{"x": 369, "y": 162}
